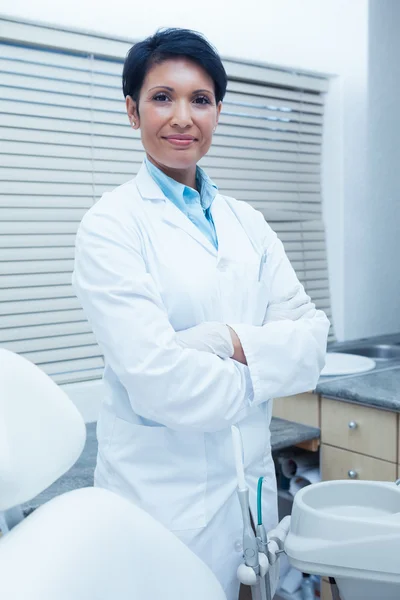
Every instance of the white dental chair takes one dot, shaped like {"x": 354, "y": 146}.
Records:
{"x": 88, "y": 544}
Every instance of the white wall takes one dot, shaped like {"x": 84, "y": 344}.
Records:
{"x": 372, "y": 224}
{"x": 329, "y": 36}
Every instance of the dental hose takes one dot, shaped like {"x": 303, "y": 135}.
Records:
{"x": 266, "y": 593}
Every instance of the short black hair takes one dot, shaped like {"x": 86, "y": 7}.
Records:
{"x": 172, "y": 43}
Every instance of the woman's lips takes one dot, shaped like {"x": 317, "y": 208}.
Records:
{"x": 180, "y": 142}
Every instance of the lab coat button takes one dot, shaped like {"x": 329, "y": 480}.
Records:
{"x": 238, "y": 546}
{"x": 249, "y": 553}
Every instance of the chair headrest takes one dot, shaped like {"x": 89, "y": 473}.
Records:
{"x": 42, "y": 433}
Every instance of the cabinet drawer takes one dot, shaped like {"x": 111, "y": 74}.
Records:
{"x": 325, "y": 590}
{"x": 337, "y": 464}
{"x": 359, "y": 428}
{"x": 301, "y": 408}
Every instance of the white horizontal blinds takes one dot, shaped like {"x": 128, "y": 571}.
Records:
{"x": 267, "y": 148}
{"x": 305, "y": 246}
{"x": 47, "y": 184}
{"x": 117, "y": 148}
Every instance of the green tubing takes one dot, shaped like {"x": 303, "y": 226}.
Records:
{"x": 259, "y": 493}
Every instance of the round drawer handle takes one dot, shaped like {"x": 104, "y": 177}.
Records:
{"x": 352, "y": 474}
{"x": 353, "y": 425}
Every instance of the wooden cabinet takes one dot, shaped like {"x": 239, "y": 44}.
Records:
{"x": 359, "y": 429}
{"x": 326, "y": 593}
{"x": 337, "y": 463}
{"x": 301, "y": 408}
{"x": 358, "y": 442}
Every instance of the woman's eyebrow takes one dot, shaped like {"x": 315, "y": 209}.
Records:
{"x": 165, "y": 87}
{"x": 198, "y": 91}
{"x": 170, "y": 89}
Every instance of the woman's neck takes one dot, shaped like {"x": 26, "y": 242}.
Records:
{"x": 184, "y": 176}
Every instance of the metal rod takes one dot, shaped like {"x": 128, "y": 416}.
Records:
{"x": 256, "y": 593}
{"x": 268, "y": 592}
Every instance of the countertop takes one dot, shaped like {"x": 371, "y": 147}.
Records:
{"x": 379, "y": 388}
{"x": 283, "y": 434}
{"x": 287, "y": 433}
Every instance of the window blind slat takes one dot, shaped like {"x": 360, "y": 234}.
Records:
{"x": 261, "y": 74}
{"x": 55, "y": 342}
{"x": 35, "y": 280}
{"x": 78, "y": 375}
{"x": 35, "y": 240}
{"x": 68, "y": 371}
{"x": 290, "y": 92}
{"x": 67, "y": 327}
{"x": 38, "y": 306}
{"x": 41, "y": 213}
{"x": 63, "y": 355}
{"x": 12, "y": 297}
{"x": 273, "y": 102}
{"x": 36, "y": 266}
{"x": 22, "y": 228}
{"x": 20, "y": 254}
{"x": 68, "y": 202}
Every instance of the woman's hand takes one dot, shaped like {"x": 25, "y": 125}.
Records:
{"x": 214, "y": 337}
{"x": 238, "y": 354}
{"x": 209, "y": 336}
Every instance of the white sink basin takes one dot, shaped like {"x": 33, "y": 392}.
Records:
{"x": 349, "y": 530}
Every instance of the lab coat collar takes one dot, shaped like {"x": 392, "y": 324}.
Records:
{"x": 149, "y": 190}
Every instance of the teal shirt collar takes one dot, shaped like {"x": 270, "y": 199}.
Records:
{"x": 182, "y": 195}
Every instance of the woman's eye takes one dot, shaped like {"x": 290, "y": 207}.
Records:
{"x": 202, "y": 100}
{"x": 160, "y": 97}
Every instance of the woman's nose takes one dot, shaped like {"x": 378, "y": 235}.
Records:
{"x": 182, "y": 116}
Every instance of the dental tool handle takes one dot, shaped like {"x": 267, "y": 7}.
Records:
{"x": 250, "y": 546}
{"x": 266, "y": 593}
{"x": 263, "y": 540}
{"x": 280, "y": 532}
{"x": 256, "y": 591}
{"x": 263, "y": 589}
{"x": 238, "y": 454}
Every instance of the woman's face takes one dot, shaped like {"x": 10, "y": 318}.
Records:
{"x": 177, "y": 114}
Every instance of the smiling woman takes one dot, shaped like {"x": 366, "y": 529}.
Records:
{"x": 175, "y": 100}
{"x": 176, "y": 118}
{"x": 197, "y": 310}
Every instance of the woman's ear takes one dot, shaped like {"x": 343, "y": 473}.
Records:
{"x": 219, "y": 108}
{"x": 133, "y": 115}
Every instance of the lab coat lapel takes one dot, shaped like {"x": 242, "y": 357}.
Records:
{"x": 149, "y": 190}
{"x": 225, "y": 225}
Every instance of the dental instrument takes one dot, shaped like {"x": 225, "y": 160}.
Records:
{"x": 255, "y": 566}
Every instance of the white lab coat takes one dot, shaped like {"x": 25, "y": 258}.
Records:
{"x": 143, "y": 271}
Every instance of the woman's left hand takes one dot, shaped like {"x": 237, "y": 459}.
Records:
{"x": 209, "y": 336}
{"x": 214, "y": 337}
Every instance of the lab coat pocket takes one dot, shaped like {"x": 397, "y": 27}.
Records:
{"x": 243, "y": 292}
{"x": 163, "y": 471}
